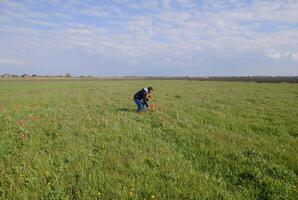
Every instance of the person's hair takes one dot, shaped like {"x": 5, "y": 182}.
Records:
{"x": 150, "y": 88}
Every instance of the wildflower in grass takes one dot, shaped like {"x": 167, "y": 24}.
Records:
{"x": 152, "y": 196}
{"x": 152, "y": 107}
{"x": 47, "y": 173}
{"x": 21, "y": 122}
{"x": 22, "y": 136}
{"x": 33, "y": 117}
{"x": 161, "y": 118}
{"x": 98, "y": 193}
{"x": 17, "y": 107}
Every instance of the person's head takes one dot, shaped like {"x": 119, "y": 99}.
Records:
{"x": 150, "y": 89}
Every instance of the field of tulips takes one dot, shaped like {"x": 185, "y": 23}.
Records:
{"x": 72, "y": 139}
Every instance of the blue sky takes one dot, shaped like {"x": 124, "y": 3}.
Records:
{"x": 152, "y": 37}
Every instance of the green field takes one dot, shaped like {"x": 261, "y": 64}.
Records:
{"x": 207, "y": 140}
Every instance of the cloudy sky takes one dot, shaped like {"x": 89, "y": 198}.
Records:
{"x": 149, "y": 37}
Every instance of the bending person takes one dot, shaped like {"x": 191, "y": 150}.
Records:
{"x": 141, "y": 99}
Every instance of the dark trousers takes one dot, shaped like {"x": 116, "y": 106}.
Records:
{"x": 140, "y": 105}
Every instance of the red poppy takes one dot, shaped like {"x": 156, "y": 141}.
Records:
{"x": 33, "y": 117}
{"x": 152, "y": 107}
{"x": 21, "y": 122}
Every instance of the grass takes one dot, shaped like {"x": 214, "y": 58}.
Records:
{"x": 206, "y": 140}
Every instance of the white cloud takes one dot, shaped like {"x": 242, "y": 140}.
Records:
{"x": 168, "y": 59}
{"x": 139, "y": 30}
{"x": 183, "y": 29}
{"x": 274, "y": 55}
{"x": 95, "y": 11}
{"x": 287, "y": 54}
{"x": 11, "y": 62}
{"x": 167, "y": 3}
{"x": 294, "y": 56}
{"x": 283, "y": 55}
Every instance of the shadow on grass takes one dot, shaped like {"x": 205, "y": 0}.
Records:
{"x": 126, "y": 110}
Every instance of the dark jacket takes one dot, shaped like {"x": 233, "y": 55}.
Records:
{"x": 142, "y": 95}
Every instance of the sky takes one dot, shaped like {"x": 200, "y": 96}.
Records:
{"x": 149, "y": 37}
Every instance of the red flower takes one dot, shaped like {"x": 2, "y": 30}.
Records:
{"x": 21, "y": 122}
{"x": 152, "y": 107}
{"x": 33, "y": 117}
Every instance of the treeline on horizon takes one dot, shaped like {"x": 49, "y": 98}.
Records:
{"x": 257, "y": 79}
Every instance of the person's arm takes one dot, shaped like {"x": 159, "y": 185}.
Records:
{"x": 145, "y": 100}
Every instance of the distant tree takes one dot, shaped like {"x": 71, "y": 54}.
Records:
{"x": 5, "y": 75}
{"x": 25, "y": 75}
{"x": 67, "y": 75}
{"x": 34, "y": 75}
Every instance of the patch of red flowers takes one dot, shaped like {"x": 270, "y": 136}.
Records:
{"x": 152, "y": 107}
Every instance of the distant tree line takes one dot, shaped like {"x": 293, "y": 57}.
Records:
{"x": 67, "y": 75}
{"x": 257, "y": 79}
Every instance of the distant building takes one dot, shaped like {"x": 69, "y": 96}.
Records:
{"x": 34, "y": 75}
{"x": 6, "y": 75}
{"x": 67, "y": 75}
{"x": 25, "y": 76}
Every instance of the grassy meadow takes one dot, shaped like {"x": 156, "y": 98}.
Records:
{"x": 72, "y": 139}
